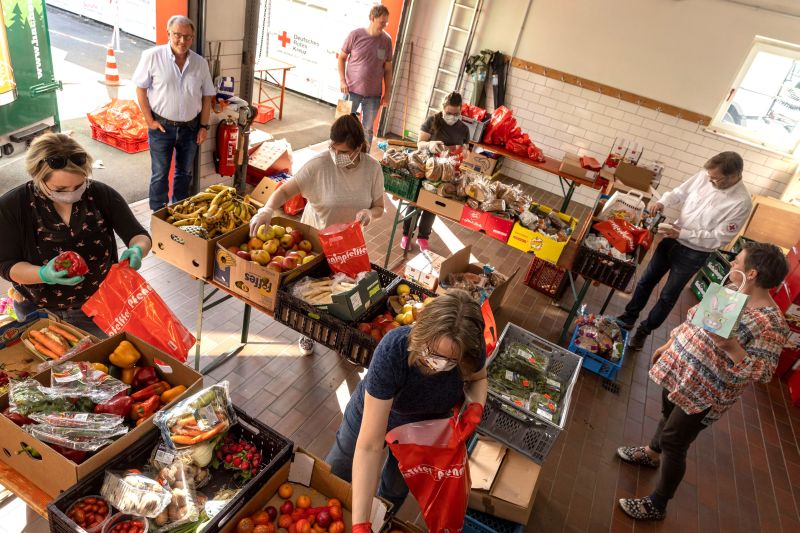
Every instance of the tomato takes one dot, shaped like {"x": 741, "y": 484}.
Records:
{"x": 285, "y": 491}
{"x": 245, "y": 525}
{"x": 303, "y": 502}
{"x": 261, "y": 518}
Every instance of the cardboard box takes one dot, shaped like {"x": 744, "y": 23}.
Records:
{"x": 571, "y": 164}
{"x": 543, "y": 246}
{"x": 353, "y": 304}
{"x": 617, "y": 185}
{"x": 498, "y": 227}
{"x": 472, "y": 218}
{"x": 480, "y": 163}
{"x": 270, "y": 157}
{"x": 266, "y": 187}
{"x": 637, "y": 177}
{"x": 53, "y": 473}
{"x": 255, "y": 282}
{"x": 506, "y": 482}
{"x": 439, "y": 205}
{"x": 305, "y": 472}
{"x": 423, "y": 269}
{"x": 460, "y": 262}
{"x": 193, "y": 255}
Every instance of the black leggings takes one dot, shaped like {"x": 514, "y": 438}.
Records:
{"x": 425, "y": 223}
{"x": 675, "y": 433}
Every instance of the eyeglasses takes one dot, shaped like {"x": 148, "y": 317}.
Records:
{"x": 427, "y": 352}
{"x": 57, "y": 162}
{"x": 184, "y": 36}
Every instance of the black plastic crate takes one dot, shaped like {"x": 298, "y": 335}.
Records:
{"x": 604, "y": 268}
{"x": 400, "y": 182}
{"x": 308, "y": 319}
{"x": 273, "y": 445}
{"x": 526, "y": 432}
{"x": 359, "y": 346}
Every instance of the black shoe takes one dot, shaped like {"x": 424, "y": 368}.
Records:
{"x": 636, "y": 342}
{"x": 624, "y": 323}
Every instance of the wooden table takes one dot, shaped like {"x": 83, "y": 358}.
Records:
{"x": 267, "y": 67}
{"x": 33, "y": 496}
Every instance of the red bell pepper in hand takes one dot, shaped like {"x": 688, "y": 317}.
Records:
{"x": 72, "y": 262}
{"x": 156, "y": 388}
{"x": 119, "y": 405}
{"x": 142, "y": 410}
{"x": 145, "y": 376}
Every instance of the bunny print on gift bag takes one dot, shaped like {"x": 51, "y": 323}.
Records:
{"x": 714, "y": 318}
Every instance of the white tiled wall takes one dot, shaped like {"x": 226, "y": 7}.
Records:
{"x": 561, "y": 117}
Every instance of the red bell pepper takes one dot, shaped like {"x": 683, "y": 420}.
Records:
{"x": 76, "y": 456}
{"x": 145, "y": 375}
{"x": 72, "y": 262}
{"x": 118, "y": 405}
{"x": 18, "y": 419}
{"x": 142, "y": 410}
{"x": 158, "y": 389}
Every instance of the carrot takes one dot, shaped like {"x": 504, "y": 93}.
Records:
{"x": 182, "y": 439}
{"x": 48, "y": 342}
{"x": 42, "y": 350}
{"x": 66, "y": 334}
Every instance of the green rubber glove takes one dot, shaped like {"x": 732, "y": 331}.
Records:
{"x": 133, "y": 255}
{"x": 51, "y": 276}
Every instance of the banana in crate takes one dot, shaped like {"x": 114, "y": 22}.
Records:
{"x": 211, "y": 213}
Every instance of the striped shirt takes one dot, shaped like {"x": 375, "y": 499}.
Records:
{"x": 699, "y": 375}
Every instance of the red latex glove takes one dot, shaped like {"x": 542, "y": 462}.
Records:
{"x": 467, "y": 423}
{"x": 363, "y": 527}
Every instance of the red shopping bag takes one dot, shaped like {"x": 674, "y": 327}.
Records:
{"x": 345, "y": 248}
{"x": 432, "y": 457}
{"x": 489, "y": 327}
{"x": 622, "y": 235}
{"x": 126, "y": 302}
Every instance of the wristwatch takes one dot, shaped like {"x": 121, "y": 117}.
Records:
{"x": 205, "y": 126}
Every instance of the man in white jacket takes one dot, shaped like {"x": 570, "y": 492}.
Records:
{"x": 714, "y": 204}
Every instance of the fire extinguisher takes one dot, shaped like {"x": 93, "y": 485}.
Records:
{"x": 227, "y": 139}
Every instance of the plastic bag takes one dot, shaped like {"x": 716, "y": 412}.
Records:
{"x": 500, "y": 127}
{"x": 621, "y": 234}
{"x": 294, "y": 205}
{"x": 122, "y": 118}
{"x": 79, "y": 420}
{"x": 198, "y": 418}
{"x": 29, "y": 396}
{"x": 134, "y": 493}
{"x": 126, "y": 302}
{"x": 433, "y": 460}
{"x": 176, "y": 472}
{"x": 82, "y": 439}
{"x": 626, "y": 206}
{"x": 345, "y": 248}
{"x": 473, "y": 111}
{"x": 80, "y": 380}
{"x": 320, "y": 291}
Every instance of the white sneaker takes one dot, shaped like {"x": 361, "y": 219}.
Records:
{"x": 306, "y": 345}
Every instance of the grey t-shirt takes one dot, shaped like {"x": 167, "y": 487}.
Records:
{"x": 416, "y": 396}
{"x": 454, "y": 135}
{"x": 336, "y": 194}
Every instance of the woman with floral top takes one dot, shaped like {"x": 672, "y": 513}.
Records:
{"x": 61, "y": 210}
{"x": 703, "y": 374}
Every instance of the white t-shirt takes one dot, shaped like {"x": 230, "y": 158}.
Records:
{"x": 336, "y": 194}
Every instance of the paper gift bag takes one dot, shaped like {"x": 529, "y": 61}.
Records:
{"x": 720, "y": 310}
{"x": 627, "y": 206}
{"x": 343, "y": 107}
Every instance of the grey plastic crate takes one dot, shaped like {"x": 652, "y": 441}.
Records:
{"x": 517, "y": 428}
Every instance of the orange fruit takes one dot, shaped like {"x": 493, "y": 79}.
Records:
{"x": 303, "y": 502}
{"x": 261, "y": 518}
{"x": 245, "y": 525}
{"x": 284, "y": 521}
{"x": 285, "y": 491}
{"x": 334, "y": 502}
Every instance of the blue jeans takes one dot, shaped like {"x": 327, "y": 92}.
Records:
{"x": 670, "y": 257}
{"x": 392, "y": 487}
{"x": 369, "y": 110}
{"x": 182, "y": 141}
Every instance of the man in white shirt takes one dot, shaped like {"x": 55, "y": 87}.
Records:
{"x": 713, "y": 205}
{"x": 174, "y": 90}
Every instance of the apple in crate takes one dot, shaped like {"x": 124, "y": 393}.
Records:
{"x": 247, "y": 256}
{"x": 305, "y": 245}
{"x": 290, "y": 262}
{"x": 276, "y": 264}
{"x": 287, "y": 241}
{"x": 255, "y": 243}
{"x": 261, "y": 257}
{"x": 265, "y": 232}
{"x": 271, "y": 245}
{"x": 279, "y": 231}
{"x": 308, "y": 258}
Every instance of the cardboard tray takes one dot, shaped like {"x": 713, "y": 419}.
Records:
{"x": 43, "y": 323}
{"x": 54, "y": 473}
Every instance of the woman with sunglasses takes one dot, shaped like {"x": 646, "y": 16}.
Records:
{"x": 342, "y": 184}
{"x": 60, "y": 209}
{"x": 416, "y": 373}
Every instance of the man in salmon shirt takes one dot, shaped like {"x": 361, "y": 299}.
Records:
{"x": 365, "y": 68}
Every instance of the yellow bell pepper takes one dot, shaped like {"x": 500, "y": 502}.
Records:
{"x": 101, "y": 367}
{"x": 125, "y": 355}
{"x": 127, "y": 375}
{"x": 172, "y": 393}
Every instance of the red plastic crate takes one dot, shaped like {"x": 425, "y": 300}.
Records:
{"x": 265, "y": 113}
{"x": 131, "y": 147}
{"x": 545, "y": 277}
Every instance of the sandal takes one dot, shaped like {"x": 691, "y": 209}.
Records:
{"x": 641, "y": 509}
{"x": 636, "y": 455}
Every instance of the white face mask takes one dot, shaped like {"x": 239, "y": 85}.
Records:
{"x": 68, "y": 197}
{"x": 342, "y": 160}
{"x": 450, "y": 119}
{"x": 438, "y": 364}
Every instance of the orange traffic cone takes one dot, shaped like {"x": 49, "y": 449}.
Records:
{"x": 112, "y": 74}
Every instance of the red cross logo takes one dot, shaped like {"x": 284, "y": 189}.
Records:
{"x": 284, "y": 39}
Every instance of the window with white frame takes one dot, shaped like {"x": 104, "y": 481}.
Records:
{"x": 763, "y": 106}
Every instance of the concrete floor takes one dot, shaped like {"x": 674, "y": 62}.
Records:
{"x": 79, "y": 52}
